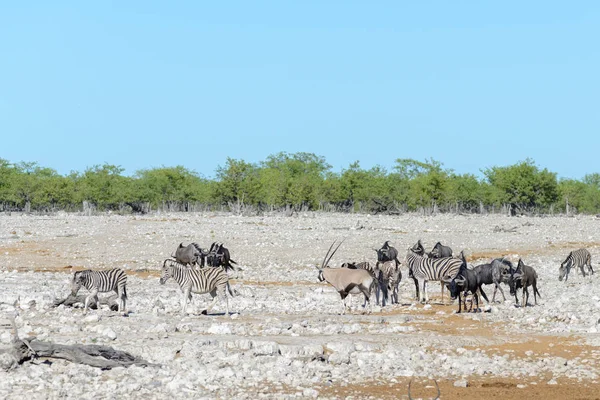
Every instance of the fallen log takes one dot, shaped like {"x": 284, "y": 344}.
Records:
{"x": 98, "y": 356}
{"x": 71, "y": 300}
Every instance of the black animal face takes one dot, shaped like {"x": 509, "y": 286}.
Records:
{"x": 321, "y": 277}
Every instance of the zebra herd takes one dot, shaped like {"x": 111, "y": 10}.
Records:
{"x": 440, "y": 265}
{"x": 211, "y": 279}
{"x": 352, "y": 278}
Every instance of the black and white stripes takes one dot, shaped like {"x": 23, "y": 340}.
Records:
{"x": 423, "y": 269}
{"x": 207, "y": 280}
{"x": 101, "y": 282}
{"x": 576, "y": 259}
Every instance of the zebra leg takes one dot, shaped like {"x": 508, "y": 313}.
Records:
{"x": 226, "y": 300}
{"x": 93, "y": 295}
{"x": 442, "y": 284}
{"x": 122, "y": 299}
{"x": 184, "y": 299}
{"x": 213, "y": 293}
{"x": 425, "y": 291}
{"x": 417, "y": 296}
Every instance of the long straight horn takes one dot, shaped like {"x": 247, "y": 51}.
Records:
{"x": 325, "y": 258}
{"x": 336, "y": 249}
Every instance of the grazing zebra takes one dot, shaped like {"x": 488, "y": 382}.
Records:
{"x": 577, "y": 258}
{"x": 101, "y": 282}
{"x": 207, "y": 280}
{"x": 423, "y": 269}
{"x": 388, "y": 275}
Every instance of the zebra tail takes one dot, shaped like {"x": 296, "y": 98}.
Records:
{"x": 125, "y": 291}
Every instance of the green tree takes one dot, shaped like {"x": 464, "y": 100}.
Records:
{"x": 524, "y": 185}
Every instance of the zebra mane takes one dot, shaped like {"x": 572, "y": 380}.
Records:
{"x": 173, "y": 263}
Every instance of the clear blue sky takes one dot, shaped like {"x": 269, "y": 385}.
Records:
{"x": 144, "y": 84}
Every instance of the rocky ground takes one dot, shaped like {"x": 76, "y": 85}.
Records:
{"x": 287, "y": 338}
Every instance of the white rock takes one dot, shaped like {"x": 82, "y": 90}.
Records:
{"x": 92, "y": 318}
{"x": 109, "y": 333}
{"x": 461, "y": 383}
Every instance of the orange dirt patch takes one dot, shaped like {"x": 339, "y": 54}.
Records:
{"x": 478, "y": 388}
{"x": 542, "y": 346}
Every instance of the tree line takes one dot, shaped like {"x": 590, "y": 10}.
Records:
{"x": 298, "y": 182}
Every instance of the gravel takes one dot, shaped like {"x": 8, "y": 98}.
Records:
{"x": 286, "y": 337}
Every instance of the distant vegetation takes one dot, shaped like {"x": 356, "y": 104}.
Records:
{"x": 298, "y": 182}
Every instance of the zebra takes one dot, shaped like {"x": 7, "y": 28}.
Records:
{"x": 101, "y": 282}
{"x": 423, "y": 269}
{"x": 360, "y": 265}
{"x": 388, "y": 275}
{"x": 577, "y": 258}
{"x": 207, "y": 280}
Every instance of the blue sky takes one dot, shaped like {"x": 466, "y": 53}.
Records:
{"x": 144, "y": 84}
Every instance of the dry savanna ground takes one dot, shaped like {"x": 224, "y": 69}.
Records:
{"x": 286, "y": 337}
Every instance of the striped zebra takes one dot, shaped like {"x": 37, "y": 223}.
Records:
{"x": 576, "y": 259}
{"x": 360, "y": 265}
{"x": 207, "y": 280}
{"x": 101, "y": 282}
{"x": 388, "y": 276}
{"x": 423, "y": 269}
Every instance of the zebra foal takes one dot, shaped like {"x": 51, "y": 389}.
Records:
{"x": 576, "y": 259}
{"x": 423, "y": 269}
{"x": 101, "y": 282}
{"x": 213, "y": 280}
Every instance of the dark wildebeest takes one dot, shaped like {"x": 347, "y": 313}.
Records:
{"x": 488, "y": 274}
{"x": 218, "y": 255}
{"x": 464, "y": 282}
{"x": 576, "y": 259}
{"x": 440, "y": 251}
{"x": 190, "y": 255}
{"x": 522, "y": 277}
{"x": 387, "y": 253}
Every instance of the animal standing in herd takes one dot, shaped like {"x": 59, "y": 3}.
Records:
{"x": 453, "y": 273}
{"x": 101, "y": 282}
{"x": 576, "y": 259}
{"x": 346, "y": 280}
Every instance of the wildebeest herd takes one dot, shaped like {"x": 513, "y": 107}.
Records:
{"x": 198, "y": 270}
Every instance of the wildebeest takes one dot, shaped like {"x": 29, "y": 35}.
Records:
{"x": 218, "y": 256}
{"x": 387, "y": 253}
{"x": 440, "y": 251}
{"x": 522, "y": 277}
{"x": 346, "y": 280}
{"x": 577, "y": 258}
{"x": 464, "y": 282}
{"x": 488, "y": 274}
{"x": 191, "y": 255}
